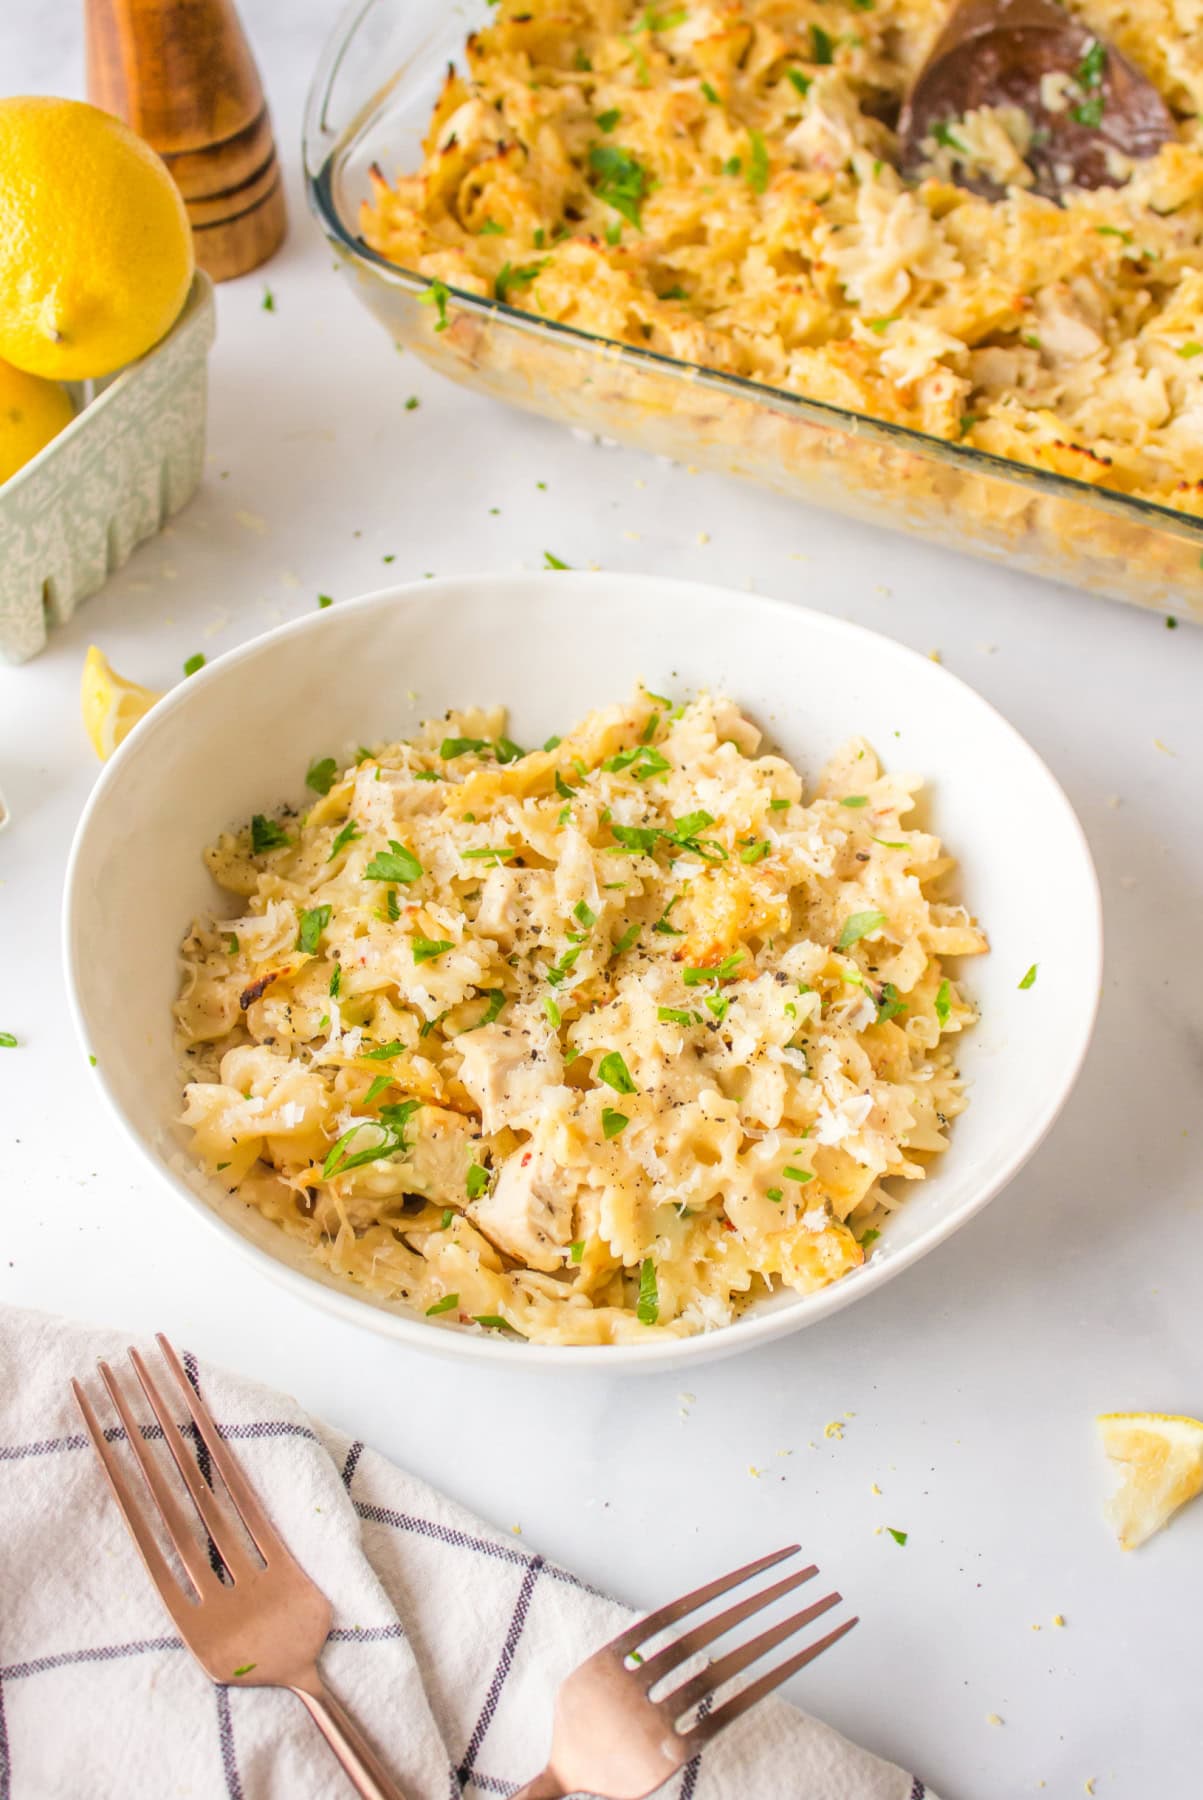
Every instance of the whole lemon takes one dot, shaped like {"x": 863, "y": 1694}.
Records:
{"x": 32, "y": 411}
{"x": 95, "y": 248}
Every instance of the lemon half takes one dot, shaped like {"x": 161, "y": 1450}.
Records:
{"x": 95, "y": 248}
{"x": 111, "y": 706}
{"x": 1160, "y": 1458}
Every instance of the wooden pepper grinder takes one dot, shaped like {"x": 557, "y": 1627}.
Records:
{"x": 181, "y": 74}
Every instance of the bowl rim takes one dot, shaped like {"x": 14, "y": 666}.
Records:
{"x": 388, "y": 1319}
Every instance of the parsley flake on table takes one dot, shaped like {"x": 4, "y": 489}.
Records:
{"x": 8, "y": 1041}
{"x": 614, "y": 1072}
{"x": 321, "y": 774}
{"x": 899, "y": 1537}
{"x": 1029, "y": 979}
{"x": 394, "y": 864}
{"x": 325, "y": 600}
{"x": 554, "y": 562}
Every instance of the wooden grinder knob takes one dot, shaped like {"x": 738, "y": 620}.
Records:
{"x": 181, "y": 74}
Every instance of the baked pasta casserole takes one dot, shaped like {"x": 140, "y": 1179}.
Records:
{"x": 583, "y": 1043}
{"x": 721, "y": 183}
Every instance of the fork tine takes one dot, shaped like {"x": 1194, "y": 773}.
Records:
{"x": 157, "y": 1566}
{"x": 176, "y": 1523}
{"x": 656, "y": 1667}
{"x": 629, "y": 1640}
{"x": 717, "y": 1721}
{"x": 213, "y": 1516}
{"x": 710, "y": 1679}
{"x": 268, "y": 1541}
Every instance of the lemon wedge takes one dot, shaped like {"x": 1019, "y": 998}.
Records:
{"x": 111, "y": 706}
{"x": 1160, "y": 1458}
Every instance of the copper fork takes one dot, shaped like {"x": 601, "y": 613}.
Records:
{"x": 258, "y": 1621}
{"x": 613, "y": 1738}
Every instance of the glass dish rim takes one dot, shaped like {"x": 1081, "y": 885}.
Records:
{"x": 329, "y": 145}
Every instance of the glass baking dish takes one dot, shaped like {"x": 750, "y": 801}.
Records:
{"x": 371, "y": 100}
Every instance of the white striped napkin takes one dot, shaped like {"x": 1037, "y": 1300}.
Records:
{"x": 449, "y": 1638}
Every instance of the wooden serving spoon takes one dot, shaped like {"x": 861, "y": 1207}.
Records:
{"x": 996, "y": 53}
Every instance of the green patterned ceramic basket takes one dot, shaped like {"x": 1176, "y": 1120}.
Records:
{"x": 127, "y": 461}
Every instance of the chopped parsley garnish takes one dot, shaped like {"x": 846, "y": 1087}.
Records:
{"x": 778, "y": 805}
{"x": 324, "y": 600}
{"x": 554, "y": 562}
{"x": 493, "y": 1010}
{"x": 943, "y": 134}
{"x": 800, "y": 1175}
{"x": 944, "y": 1002}
{"x": 585, "y": 914}
{"x": 394, "y": 864}
{"x": 576, "y": 1250}
{"x": 194, "y": 663}
{"x": 562, "y": 788}
{"x": 642, "y": 761}
{"x": 608, "y": 120}
{"x": 798, "y": 80}
{"x": 232, "y": 944}
{"x": 636, "y": 837}
{"x": 855, "y": 800}
{"x": 889, "y": 1006}
{"x": 509, "y": 277}
{"x": 662, "y": 925}
{"x": 560, "y": 971}
{"x": 347, "y": 835}
{"x": 320, "y": 775}
{"x": 7, "y": 1041}
{"x": 477, "y": 1181}
{"x": 613, "y": 1122}
{"x": 882, "y": 325}
{"x": 899, "y": 1537}
{"x": 717, "y": 1004}
{"x": 379, "y": 1083}
{"x": 613, "y": 234}
{"x": 1191, "y": 349}
{"x": 1029, "y": 979}
{"x": 622, "y": 180}
{"x": 500, "y": 853}
{"x": 623, "y": 944}
{"x": 426, "y": 775}
{"x": 507, "y": 751}
{"x": 821, "y": 46}
{"x": 1089, "y": 112}
{"x": 269, "y": 305}
{"x": 857, "y": 926}
{"x": 614, "y": 1072}
{"x": 1115, "y": 232}
{"x": 340, "y": 1157}
{"x": 426, "y": 949}
{"x": 436, "y": 296}
{"x": 709, "y": 94}
{"x": 754, "y": 853}
{"x": 869, "y": 1237}
{"x": 336, "y": 981}
{"x": 491, "y": 228}
{"x": 313, "y": 923}
{"x": 893, "y": 843}
{"x": 553, "y": 1013}
{"x": 774, "y": 1194}
{"x": 1089, "y": 72}
{"x": 647, "y": 1309}
{"x": 494, "y": 1320}
{"x": 444, "y": 1305}
{"x": 267, "y": 835}
{"x": 758, "y": 163}
{"x": 447, "y": 1219}
{"x": 553, "y": 743}
{"x": 724, "y": 971}
{"x": 673, "y": 1015}
{"x": 733, "y": 165}
{"x": 385, "y": 1052}
{"x": 461, "y": 746}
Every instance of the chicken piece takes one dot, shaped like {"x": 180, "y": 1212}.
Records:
{"x": 530, "y": 1211}
{"x": 501, "y": 906}
{"x": 508, "y": 1074}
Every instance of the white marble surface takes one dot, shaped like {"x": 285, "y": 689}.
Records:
{"x": 969, "y": 1387}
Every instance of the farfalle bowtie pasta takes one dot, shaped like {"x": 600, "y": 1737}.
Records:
{"x": 590, "y": 1042}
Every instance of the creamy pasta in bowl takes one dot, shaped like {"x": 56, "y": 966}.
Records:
{"x": 644, "y": 1037}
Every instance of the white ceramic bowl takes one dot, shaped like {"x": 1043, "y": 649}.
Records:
{"x": 238, "y": 737}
